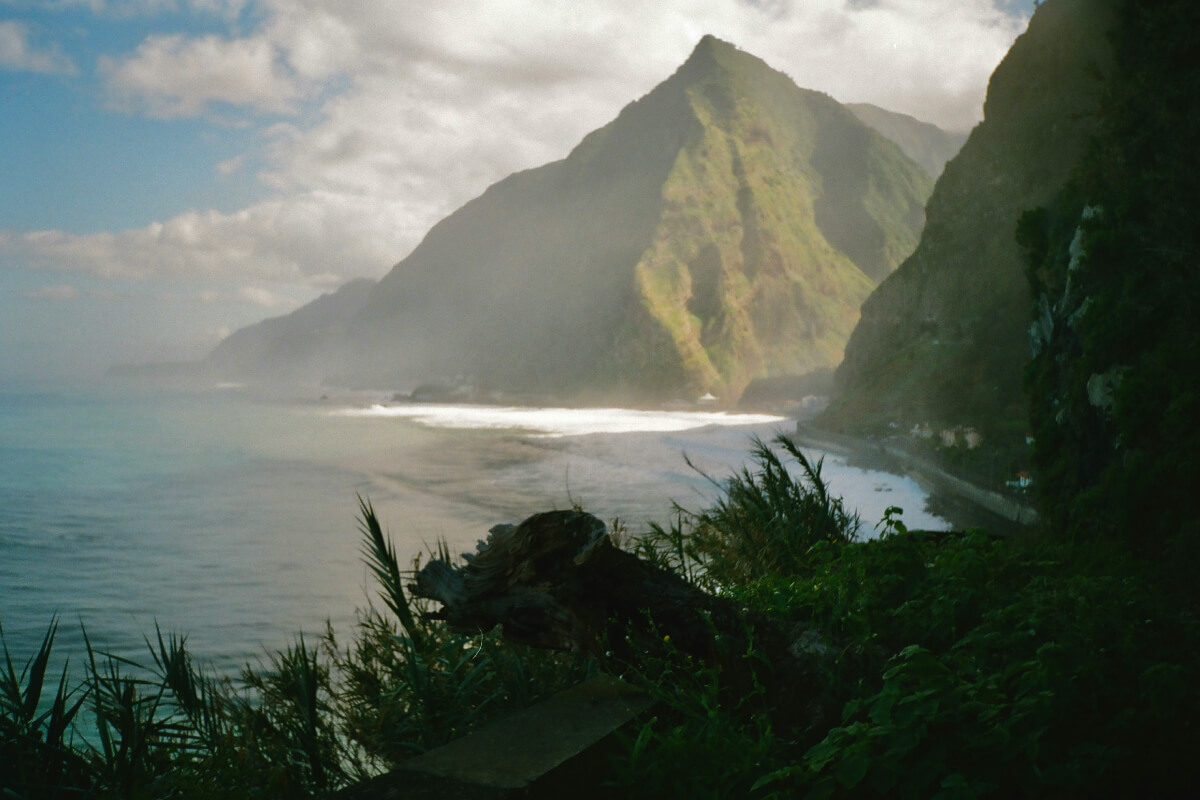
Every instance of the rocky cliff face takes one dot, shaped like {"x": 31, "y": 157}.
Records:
{"x": 726, "y": 226}
{"x": 1116, "y": 333}
{"x": 944, "y": 338}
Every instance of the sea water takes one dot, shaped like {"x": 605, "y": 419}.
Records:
{"x": 233, "y": 518}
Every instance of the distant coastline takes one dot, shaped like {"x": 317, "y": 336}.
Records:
{"x": 883, "y": 455}
{"x": 921, "y": 469}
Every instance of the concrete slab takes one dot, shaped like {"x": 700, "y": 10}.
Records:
{"x": 559, "y": 742}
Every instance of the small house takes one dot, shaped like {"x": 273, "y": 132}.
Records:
{"x": 972, "y": 438}
{"x": 921, "y": 431}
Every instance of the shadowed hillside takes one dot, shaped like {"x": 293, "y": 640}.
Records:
{"x": 944, "y": 338}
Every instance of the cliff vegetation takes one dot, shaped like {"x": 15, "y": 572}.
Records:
{"x": 1113, "y": 265}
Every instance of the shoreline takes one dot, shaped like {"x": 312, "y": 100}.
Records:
{"x": 949, "y": 495}
{"x": 921, "y": 469}
{"x": 635, "y": 475}
{"x": 961, "y": 502}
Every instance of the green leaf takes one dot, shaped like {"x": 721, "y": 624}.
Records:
{"x": 853, "y": 767}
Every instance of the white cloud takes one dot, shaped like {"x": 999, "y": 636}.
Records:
{"x": 17, "y": 53}
{"x": 231, "y": 165}
{"x": 175, "y": 76}
{"x": 402, "y": 112}
{"x": 316, "y": 240}
{"x": 927, "y": 58}
{"x": 257, "y": 295}
{"x": 444, "y": 99}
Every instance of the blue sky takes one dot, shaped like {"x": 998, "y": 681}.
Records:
{"x": 69, "y": 152}
{"x": 171, "y": 170}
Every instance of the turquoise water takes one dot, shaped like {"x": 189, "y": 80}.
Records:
{"x": 117, "y": 510}
{"x": 232, "y": 519}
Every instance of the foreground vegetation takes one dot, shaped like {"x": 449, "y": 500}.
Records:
{"x": 967, "y": 665}
{"x": 964, "y": 665}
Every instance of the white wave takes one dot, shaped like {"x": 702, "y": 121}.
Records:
{"x": 554, "y": 422}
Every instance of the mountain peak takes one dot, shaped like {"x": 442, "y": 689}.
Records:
{"x": 709, "y": 45}
{"x": 712, "y": 54}
{"x": 725, "y": 227}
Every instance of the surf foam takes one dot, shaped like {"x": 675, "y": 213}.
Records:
{"x": 556, "y": 422}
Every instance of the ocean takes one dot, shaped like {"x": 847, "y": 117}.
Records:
{"x": 231, "y": 517}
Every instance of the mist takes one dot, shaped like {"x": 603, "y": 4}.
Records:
{"x": 77, "y": 332}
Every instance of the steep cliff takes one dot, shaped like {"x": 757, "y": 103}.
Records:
{"x": 943, "y": 339}
{"x": 1116, "y": 334}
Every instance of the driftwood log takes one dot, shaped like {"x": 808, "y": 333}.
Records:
{"x": 557, "y": 581}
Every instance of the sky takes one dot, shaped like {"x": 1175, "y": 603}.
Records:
{"x": 172, "y": 170}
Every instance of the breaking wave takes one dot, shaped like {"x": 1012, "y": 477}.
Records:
{"x": 555, "y": 422}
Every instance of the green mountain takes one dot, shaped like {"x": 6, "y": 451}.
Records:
{"x": 924, "y": 143}
{"x": 944, "y": 339}
{"x": 724, "y": 227}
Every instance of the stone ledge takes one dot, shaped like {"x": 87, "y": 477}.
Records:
{"x": 558, "y": 745}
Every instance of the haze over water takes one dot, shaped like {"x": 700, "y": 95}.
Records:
{"x": 232, "y": 519}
